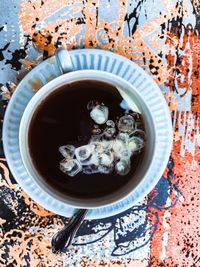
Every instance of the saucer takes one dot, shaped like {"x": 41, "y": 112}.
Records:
{"x": 98, "y": 60}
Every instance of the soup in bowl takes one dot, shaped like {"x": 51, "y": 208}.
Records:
{"x": 87, "y": 138}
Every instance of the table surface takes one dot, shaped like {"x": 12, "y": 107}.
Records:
{"x": 161, "y": 36}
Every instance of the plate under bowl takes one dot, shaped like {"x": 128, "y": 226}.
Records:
{"x": 98, "y": 60}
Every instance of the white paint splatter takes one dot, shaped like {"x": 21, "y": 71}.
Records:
{"x": 166, "y": 226}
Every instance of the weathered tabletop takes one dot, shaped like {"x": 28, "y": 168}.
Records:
{"x": 162, "y": 36}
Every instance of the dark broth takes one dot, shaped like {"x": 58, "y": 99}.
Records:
{"x": 62, "y": 118}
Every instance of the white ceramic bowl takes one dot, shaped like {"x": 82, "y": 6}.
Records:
{"x": 142, "y": 172}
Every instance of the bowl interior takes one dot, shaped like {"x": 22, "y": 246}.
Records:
{"x": 140, "y": 173}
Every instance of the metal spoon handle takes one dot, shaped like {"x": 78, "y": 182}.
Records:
{"x": 63, "y": 239}
{"x": 64, "y": 61}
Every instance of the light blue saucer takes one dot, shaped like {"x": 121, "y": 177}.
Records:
{"x": 87, "y": 59}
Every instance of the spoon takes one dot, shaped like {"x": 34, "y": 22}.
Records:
{"x": 64, "y": 60}
{"x": 63, "y": 239}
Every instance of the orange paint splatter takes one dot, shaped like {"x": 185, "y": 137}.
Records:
{"x": 113, "y": 263}
{"x": 38, "y": 246}
{"x": 66, "y": 32}
{"x": 36, "y": 208}
{"x": 5, "y": 172}
{"x": 29, "y": 64}
{"x": 187, "y": 78}
{"x": 42, "y": 43}
{"x": 184, "y": 246}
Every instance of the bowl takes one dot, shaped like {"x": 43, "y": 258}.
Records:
{"x": 150, "y": 127}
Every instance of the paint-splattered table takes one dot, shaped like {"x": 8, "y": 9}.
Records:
{"x": 162, "y": 36}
